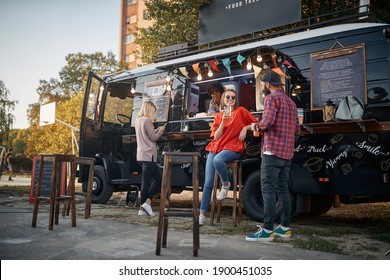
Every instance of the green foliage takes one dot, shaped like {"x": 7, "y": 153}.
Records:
{"x": 74, "y": 74}
{"x": 18, "y": 141}
{"x": 68, "y": 93}
{"x": 174, "y": 22}
{"x": 6, "y": 116}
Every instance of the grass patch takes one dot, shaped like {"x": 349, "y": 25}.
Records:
{"x": 316, "y": 243}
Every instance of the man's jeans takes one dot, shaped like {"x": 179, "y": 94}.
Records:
{"x": 274, "y": 180}
{"x": 216, "y": 162}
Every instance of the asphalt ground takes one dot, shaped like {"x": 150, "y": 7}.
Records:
{"x": 105, "y": 249}
{"x": 105, "y": 239}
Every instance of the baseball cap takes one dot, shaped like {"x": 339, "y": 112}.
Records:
{"x": 272, "y": 78}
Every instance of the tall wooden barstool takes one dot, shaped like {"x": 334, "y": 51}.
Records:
{"x": 61, "y": 190}
{"x": 171, "y": 158}
{"x": 80, "y": 162}
{"x": 236, "y": 201}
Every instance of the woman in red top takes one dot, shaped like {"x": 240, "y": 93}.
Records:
{"x": 228, "y": 133}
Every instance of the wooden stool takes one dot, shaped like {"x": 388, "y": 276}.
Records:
{"x": 235, "y": 201}
{"x": 171, "y": 158}
{"x": 88, "y": 195}
{"x": 61, "y": 191}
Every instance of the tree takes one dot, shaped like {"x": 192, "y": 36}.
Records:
{"x": 6, "y": 116}
{"x": 18, "y": 141}
{"x": 174, "y": 22}
{"x": 68, "y": 93}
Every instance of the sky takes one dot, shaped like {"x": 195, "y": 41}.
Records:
{"x": 37, "y": 35}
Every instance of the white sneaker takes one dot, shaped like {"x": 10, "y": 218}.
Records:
{"x": 148, "y": 209}
{"x": 142, "y": 213}
{"x": 223, "y": 192}
{"x": 202, "y": 219}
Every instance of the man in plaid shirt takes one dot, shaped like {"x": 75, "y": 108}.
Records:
{"x": 279, "y": 124}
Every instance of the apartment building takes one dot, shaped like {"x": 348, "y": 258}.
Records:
{"x": 133, "y": 14}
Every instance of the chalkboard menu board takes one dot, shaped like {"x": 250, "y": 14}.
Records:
{"x": 156, "y": 91}
{"x": 46, "y": 178}
{"x": 336, "y": 73}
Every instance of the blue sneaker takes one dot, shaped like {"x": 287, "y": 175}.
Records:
{"x": 282, "y": 233}
{"x": 261, "y": 235}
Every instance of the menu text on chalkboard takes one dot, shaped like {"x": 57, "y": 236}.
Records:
{"x": 337, "y": 73}
{"x": 46, "y": 178}
{"x": 156, "y": 92}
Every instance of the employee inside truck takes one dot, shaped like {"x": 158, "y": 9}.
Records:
{"x": 215, "y": 90}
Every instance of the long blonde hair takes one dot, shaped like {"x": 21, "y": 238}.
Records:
{"x": 148, "y": 109}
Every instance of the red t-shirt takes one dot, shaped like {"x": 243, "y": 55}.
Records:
{"x": 229, "y": 140}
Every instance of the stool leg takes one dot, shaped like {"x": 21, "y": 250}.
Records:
{"x": 240, "y": 206}
{"x": 214, "y": 198}
{"x": 89, "y": 190}
{"x": 72, "y": 191}
{"x": 165, "y": 181}
{"x": 37, "y": 194}
{"x": 195, "y": 206}
{"x": 234, "y": 194}
{"x": 53, "y": 192}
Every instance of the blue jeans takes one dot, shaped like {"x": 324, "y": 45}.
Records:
{"x": 275, "y": 173}
{"x": 216, "y": 162}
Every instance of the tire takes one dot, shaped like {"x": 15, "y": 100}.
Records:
{"x": 101, "y": 189}
{"x": 320, "y": 204}
{"x": 253, "y": 200}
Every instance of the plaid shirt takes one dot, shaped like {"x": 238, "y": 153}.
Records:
{"x": 279, "y": 124}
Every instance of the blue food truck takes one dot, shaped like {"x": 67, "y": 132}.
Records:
{"x": 349, "y": 159}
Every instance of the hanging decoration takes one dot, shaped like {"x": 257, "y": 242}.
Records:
{"x": 213, "y": 65}
{"x": 196, "y": 67}
{"x": 184, "y": 71}
{"x": 289, "y": 64}
{"x": 278, "y": 71}
{"x": 240, "y": 59}
{"x": 256, "y": 70}
{"x": 226, "y": 63}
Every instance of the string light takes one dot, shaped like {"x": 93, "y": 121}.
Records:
{"x": 210, "y": 73}
{"x": 199, "y": 77}
{"x": 132, "y": 89}
{"x": 259, "y": 58}
{"x": 249, "y": 64}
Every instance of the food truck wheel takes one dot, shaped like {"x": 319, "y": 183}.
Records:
{"x": 253, "y": 200}
{"x": 320, "y": 204}
{"x": 101, "y": 189}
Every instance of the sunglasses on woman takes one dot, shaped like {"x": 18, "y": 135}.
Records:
{"x": 230, "y": 97}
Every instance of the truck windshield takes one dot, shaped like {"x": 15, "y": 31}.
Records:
{"x": 118, "y": 104}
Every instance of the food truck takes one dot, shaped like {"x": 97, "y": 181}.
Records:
{"x": 347, "y": 158}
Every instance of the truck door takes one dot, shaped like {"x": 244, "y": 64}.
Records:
{"x": 91, "y": 120}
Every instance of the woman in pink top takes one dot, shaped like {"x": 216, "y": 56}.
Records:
{"x": 147, "y": 137}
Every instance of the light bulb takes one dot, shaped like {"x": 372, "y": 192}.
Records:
{"x": 168, "y": 78}
{"x": 259, "y": 58}
{"x": 199, "y": 77}
{"x": 210, "y": 73}
{"x": 132, "y": 89}
{"x": 249, "y": 64}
